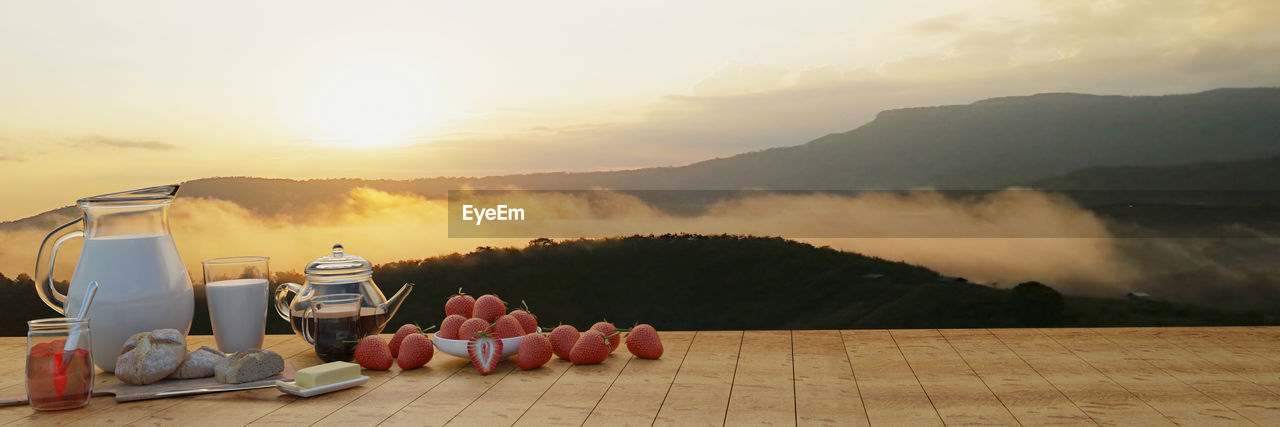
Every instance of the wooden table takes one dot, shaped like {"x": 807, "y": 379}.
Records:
{"x": 1134, "y": 376}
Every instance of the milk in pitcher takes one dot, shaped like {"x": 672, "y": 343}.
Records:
{"x": 143, "y": 285}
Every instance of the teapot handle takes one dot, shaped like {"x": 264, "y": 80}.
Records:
{"x": 44, "y": 277}
{"x": 282, "y": 292}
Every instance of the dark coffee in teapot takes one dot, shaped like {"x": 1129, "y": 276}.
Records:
{"x": 371, "y": 320}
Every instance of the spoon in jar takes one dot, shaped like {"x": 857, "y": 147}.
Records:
{"x": 73, "y": 338}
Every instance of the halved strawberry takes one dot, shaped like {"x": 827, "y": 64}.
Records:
{"x": 485, "y": 352}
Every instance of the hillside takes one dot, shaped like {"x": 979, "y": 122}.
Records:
{"x": 720, "y": 282}
{"x": 733, "y": 282}
{"x": 1253, "y": 174}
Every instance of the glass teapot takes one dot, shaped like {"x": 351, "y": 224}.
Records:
{"x": 339, "y": 273}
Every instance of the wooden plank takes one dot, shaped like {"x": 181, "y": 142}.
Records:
{"x": 1262, "y": 341}
{"x": 1176, "y": 400}
{"x": 1105, "y": 401}
{"x": 700, "y": 393}
{"x": 764, "y": 384}
{"x": 572, "y": 398}
{"x": 313, "y": 409}
{"x": 249, "y": 404}
{"x": 958, "y": 394}
{"x": 105, "y": 410}
{"x": 826, "y": 392}
{"x": 1028, "y": 396}
{"x": 1246, "y": 398}
{"x": 420, "y": 396}
{"x": 638, "y": 392}
{"x": 1246, "y": 364}
{"x": 506, "y": 401}
{"x": 1194, "y": 375}
{"x": 890, "y": 391}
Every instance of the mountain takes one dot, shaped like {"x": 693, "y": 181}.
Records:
{"x": 991, "y": 143}
{"x": 998, "y": 142}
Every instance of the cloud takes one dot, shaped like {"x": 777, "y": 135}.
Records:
{"x": 386, "y": 227}
{"x": 98, "y": 141}
{"x": 735, "y": 79}
{"x": 1131, "y": 48}
{"x": 939, "y": 25}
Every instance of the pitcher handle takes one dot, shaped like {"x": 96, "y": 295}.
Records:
{"x": 44, "y": 276}
{"x": 282, "y": 292}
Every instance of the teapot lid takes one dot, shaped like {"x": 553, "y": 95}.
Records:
{"x": 339, "y": 267}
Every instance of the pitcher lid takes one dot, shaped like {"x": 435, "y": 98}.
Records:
{"x": 339, "y": 266}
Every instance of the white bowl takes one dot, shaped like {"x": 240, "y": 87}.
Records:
{"x": 459, "y": 347}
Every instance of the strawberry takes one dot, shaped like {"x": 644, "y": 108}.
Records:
{"x": 469, "y": 328}
{"x": 527, "y": 320}
{"x": 415, "y": 351}
{"x": 460, "y": 304}
{"x": 404, "y": 331}
{"x": 643, "y": 342}
{"x": 535, "y": 351}
{"x": 591, "y": 348}
{"x": 607, "y": 329}
{"x": 507, "y": 327}
{"x": 449, "y": 327}
{"x": 563, "y": 338}
{"x": 485, "y": 352}
{"x": 372, "y": 353}
{"x": 489, "y": 308}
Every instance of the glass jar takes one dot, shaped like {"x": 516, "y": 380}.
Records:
{"x": 59, "y": 376}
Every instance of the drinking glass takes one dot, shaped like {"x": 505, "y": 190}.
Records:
{"x": 237, "y": 291}
{"x": 332, "y": 323}
{"x": 59, "y": 364}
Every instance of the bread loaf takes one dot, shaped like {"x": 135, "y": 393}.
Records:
{"x": 148, "y": 357}
{"x": 249, "y": 365}
{"x": 198, "y": 363}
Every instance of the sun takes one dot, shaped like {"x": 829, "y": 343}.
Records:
{"x": 368, "y": 110}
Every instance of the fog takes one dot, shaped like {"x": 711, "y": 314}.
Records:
{"x": 390, "y": 227}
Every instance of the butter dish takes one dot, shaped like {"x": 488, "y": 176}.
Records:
{"x": 291, "y": 387}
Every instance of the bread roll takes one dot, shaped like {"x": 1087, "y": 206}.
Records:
{"x": 148, "y": 357}
{"x": 249, "y": 365}
{"x": 198, "y": 363}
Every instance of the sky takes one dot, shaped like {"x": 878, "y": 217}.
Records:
{"x": 98, "y": 97}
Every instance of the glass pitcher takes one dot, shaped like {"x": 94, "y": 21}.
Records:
{"x": 143, "y": 284}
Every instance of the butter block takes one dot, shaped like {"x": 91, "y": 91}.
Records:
{"x": 289, "y": 385}
{"x": 323, "y": 375}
